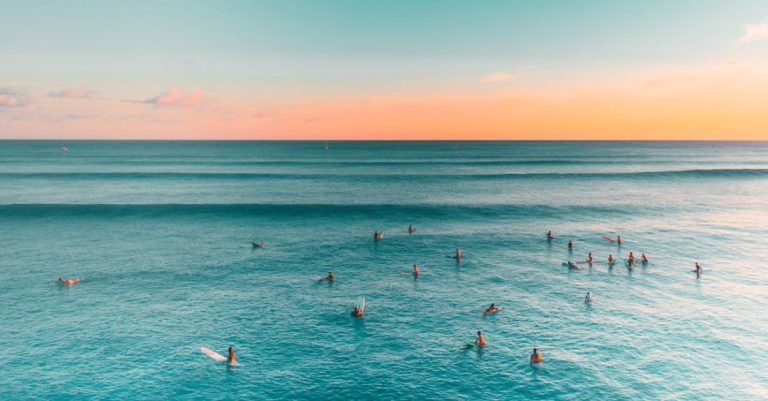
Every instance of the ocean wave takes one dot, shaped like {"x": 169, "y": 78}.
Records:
{"x": 305, "y": 210}
{"x": 692, "y": 173}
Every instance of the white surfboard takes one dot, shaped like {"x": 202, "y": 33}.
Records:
{"x": 361, "y": 302}
{"x": 213, "y": 354}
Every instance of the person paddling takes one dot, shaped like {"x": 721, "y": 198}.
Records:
{"x": 491, "y": 309}
{"x": 258, "y": 244}
{"x": 231, "y": 358}
{"x": 68, "y": 281}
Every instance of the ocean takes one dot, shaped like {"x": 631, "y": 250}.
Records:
{"x": 160, "y": 234}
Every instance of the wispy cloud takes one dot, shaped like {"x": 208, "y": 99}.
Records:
{"x": 754, "y": 32}
{"x": 175, "y": 97}
{"x": 10, "y": 97}
{"x": 499, "y": 76}
{"x": 73, "y": 93}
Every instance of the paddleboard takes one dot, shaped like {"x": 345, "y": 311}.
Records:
{"x": 213, "y": 354}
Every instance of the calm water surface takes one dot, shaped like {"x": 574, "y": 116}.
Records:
{"x": 160, "y": 234}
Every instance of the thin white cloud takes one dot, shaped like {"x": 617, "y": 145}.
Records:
{"x": 754, "y": 32}
{"x": 73, "y": 93}
{"x": 175, "y": 97}
{"x": 11, "y": 98}
{"x": 499, "y": 76}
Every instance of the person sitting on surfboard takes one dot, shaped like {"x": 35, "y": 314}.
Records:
{"x": 68, "y": 281}
{"x": 480, "y": 340}
{"x": 377, "y": 235}
{"x": 549, "y": 235}
{"x": 491, "y": 309}
{"x": 231, "y": 358}
{"x": 589, "y": 298}
{"x": 536, "y": 356}
{"x": 610, "y": 259}
{"x": 618, "y": 239}
{"x": 330, "y": 277}
{"x": 589, "y": 258}
{"x": 458, "y": 253}
{"x": 570, "y": 245}
{"x": 644, "y": 258}
{"x": 411, "y": 229}
{"x": 416, "y": 271}
{"x": 258, "y": 244}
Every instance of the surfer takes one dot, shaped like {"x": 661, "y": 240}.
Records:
{"x": 550, "y": 237}
{"x": 411, "y": 229}
{"x": 698, "y": 270}
{"x": 416, "y": 271}
{"x": 618, "y": 239}
{"x": 330, "y": 278}
{"x": 231, "y": 358}
{"x": 491, "y": 309}
{"x": 631, "y": 259}
{"x": 357, "y": 312}
{"x": 377, "y": 235}
{"x": 589, "y": 298}
{"x": 258, "y": 244}
{"x": 610, "y": 260}
{"x": 570, "y": 245}
{"x": 536, "y": 356}
{"x": 644, "y": 258}
{"x": 68, "y": 281}
{"x": 572, "y": 265}
{"x": 480, "y": 340}
{"x": 458, "y": 254}
{"x": 589, "y": 258}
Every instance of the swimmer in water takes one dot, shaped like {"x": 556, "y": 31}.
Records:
{"x": 610, "y": 259}
{"x": 589, "y": 298}
{"x": 411, "y": 229}
{"x": 480, "y": 340}
{"x": 549, "y": 235}
{"x": 536, "y": 356}
{"x": 416, "y": 271}
{"x": 589, "y": 258}
{"x": 631, "y": 259}
{"x": 258, "y": 244}
{"x": 570, "y": 245}
{"x": 618, "y": 239}
{"x": 68, "y": 281}
{"x": 231, "y": 358}
{"x": 644, "y": 258}
{"x": 357, "y": 312}
{"x": 458, "y": 253}
{"x": 330, "y": 277}
{"x": 491, "y": 309}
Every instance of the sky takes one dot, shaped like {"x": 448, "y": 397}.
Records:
{"x": 358, "y": 69}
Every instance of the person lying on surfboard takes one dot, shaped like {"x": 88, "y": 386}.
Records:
{"x": 231, "y": 358}
{"x": 258, "y": 244}
{"x": 416, "y": 271}
{"x": 480, "y": 340}
{"x": 68, "y": 281}
{"x": 491, "y": 309}
{"x": 572, "y": 265}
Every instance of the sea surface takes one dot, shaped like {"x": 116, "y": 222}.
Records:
{"x": 160, "y": 233}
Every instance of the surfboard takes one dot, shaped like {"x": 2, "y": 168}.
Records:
{"x": 498, "y": 309}
{"x": 609, "y": 239}
{"x": 361, "y": 302}
{"x": 213, "y": 354}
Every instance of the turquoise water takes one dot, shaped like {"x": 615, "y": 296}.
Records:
{"x": 160, "y": 234}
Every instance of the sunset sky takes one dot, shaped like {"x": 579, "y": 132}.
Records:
{"x": 665, "y": 69}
